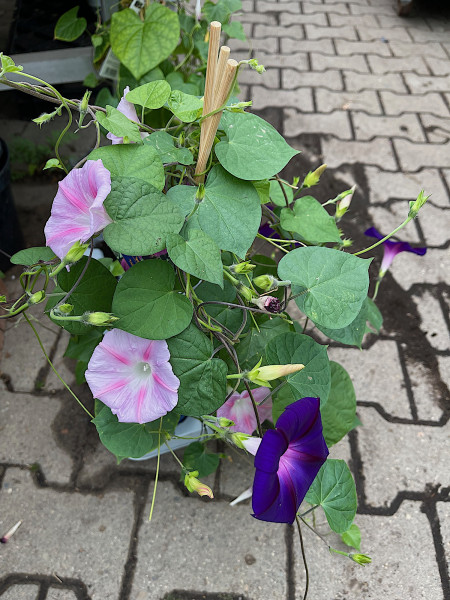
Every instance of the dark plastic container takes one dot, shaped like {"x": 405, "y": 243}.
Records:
{"x": 11, "y": 240}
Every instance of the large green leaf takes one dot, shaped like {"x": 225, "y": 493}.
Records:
{"x": 312, "y": 381}
{"x": 69, "y": 26}
{"x": 252, "y": 346}
{"x": 352, "y": 537}
{"x": 131, "y": 440}
{"x": 202, "y": 378}
{"x": 132, "y": 160}
{"x": 30, "y": 256}
{"x": 330, "y": 285}
{"x": 220, "y": 10}
{"x": 148, "y": 305}
{"x": 185, "y": 107}
{"x": 309, "y": 219}
{"x": 353, "y": 333}
{"x": 198, "y": 255}
{"x": 142, "y": 217}
{"x": 118, "y": 124}
{"x": 151, "y": 95}
{"x": 165, "y": 145}
{"x": 93, "y": 293}
{"x": 276, "y": 193}
{"x": 334, "y": 489}
{"x": 230, "y": 212}
{"x": 81, "y": 347}
{"x": 252, "y": 149}
{"x": 338, "y": 414}
{"x": 196, "y": 458}
{"x": 142, "y": 45}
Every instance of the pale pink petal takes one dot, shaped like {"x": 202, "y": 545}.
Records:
{"x": 77, "y": 211}
{"x": 133, "y": 377}
{"x": 252, "y": 444}
{"x": 239, "y": 409}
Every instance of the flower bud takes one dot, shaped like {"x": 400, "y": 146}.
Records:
{"x": 262, "y": 375}
{"x": 245, "y": 292}
{"x": 200, "y": 193}
{"x": 194, "y": 485}
{"x": 36, "y": 297}
{"x": 268, "y": 303}
{"x": 361, "y": 559}
{"x": 313, "y": 177}
{"x": 265, "y": 282}
{"x": 76, "y": 253}
{"x": 65, "y": 309}
{"x": 224, "y": 422}
{"x": 415, "y": 206}
{"x": 238, "y": 439}
{"x": 242, "y": 267}
{"x": 99, "y": 318}
{"x": 343, "y": 204}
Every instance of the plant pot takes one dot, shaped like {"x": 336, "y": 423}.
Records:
{"x": 11, "y": 240}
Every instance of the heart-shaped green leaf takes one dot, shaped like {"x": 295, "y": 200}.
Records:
{"x": 338, "y": 414}
{"x": 151, "y": 95}
{"x": 309, "y": 219}
{"x": 353, "y": 333}
{"x": 118, "y": 124}
{"x": 30, "y": 256}
{"x": 165, "y": 145}
{"x": 198, "y": 255}
{"x": 185, "y": 107}
{"x": 69, "y": 26}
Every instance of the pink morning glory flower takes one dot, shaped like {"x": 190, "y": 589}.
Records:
{"x": 239, "y": 409}
{"x": 77, "y": 211}
{"x": 127, "y": 109}
{"x": 133, "y": 376}
{"x": 391, "y": 249}
{"x": 287, "y": 461}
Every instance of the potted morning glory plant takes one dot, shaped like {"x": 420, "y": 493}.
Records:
{"x": 185, "y": 318}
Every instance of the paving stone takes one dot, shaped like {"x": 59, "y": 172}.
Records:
{"x": 420, "y": 35}
{"x": 387, "y": 218}
{"x": 295, "y": 61}
{"x": 373, "y": 371}
{"x": 405, "y": 126}
{"x": 313, "y": 32}
{"x": 419, "y": 84}
{"x": 236, "y": 472}
{"x": 388, "y": 33}
{"x": 254, "y": 17}
{"x": 378, "y": 152}
{"x": 381, "y": 64}
{"x": 415, "y": 156}
{"x": 359, "y": 21}
{"x": 355, "y": 82}
{"x": 391, "y": 541}
{"x": 390, "y": 21}
{"x": 24, "y": 443}
{"x": 65, "y": 367}
{"x": 250, "y": 558}
{"x": 396, "y": 104}
{"x": 291, "y": 31}
{"x": 337, "y": 8}
{"x": 433, "y": 268}
{"x": 363, "y": 9}
{"x": 417, "y": 463}
{"x": 65, "y": 533}
{"x": 269, "y": 44}
{"x": 384, "y": 185}
{"x": 293, "y": 79}
{"x": 310, "y": 19}
{"x": 323, "y": 46}
{"x": 58, "y": 594}
{"x": 336, "y": 123}
{"x": 321, "y": 62}
{"x": 437, "y": 128}
{"x": 346, "y": 48}
{"x": 270, "y": 78}
{"x": 301, "y": 98}
{"x": 439, "y": 66}
{"x": 444, "y": 369}
{"x": 366, "y": 101}
{"x": 269, "y": 6}
{"x": 443, "y": 510}
{"x": 435, "y": 224}
{"x": 427, "y": 395}
{"x": 429, "y": 49}
{"x": 21, "y": 592}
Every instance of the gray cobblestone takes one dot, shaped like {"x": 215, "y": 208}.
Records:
{"x": 63, "y": 532}
{"x": 439, "y": 66}
{"x": 366, "y": 101}
{"x": 313, "y": 32}
{"x": 291, "y": 78}
{"x": 385, "y": 185}
{"x": 424, "y": 36}
{"x": 443, "y": 510}
{"x": 269, "y": 44}
{"x": 444, "y": 369}
{"x": 407, "y": 126}
{"x": 427, "y": 396}
{"x": 340, "y": 8}
{"x": 432, "y": 320}
{"x": 21, "y": 592}
{"x": 353, "y": 63}
{"x": 293, "y": 31}
{"x": 346, "y": 48}
{"x": 356, "y": 82}
{"x": 336, "y": 123}
{"x": 360, "y": 9}
{"x": 236, "y": 472}
{"x": 415, "y": 156}
{"x": 377, "y": 152}
{"x": 396, "y": 104}
{"x": 358, "y": 21}
{"x": 253, "y": 17}
{"x": 270, "y": 78}
{"x": 431, "y": 268}
{"x": 313, "y": 46}
{"x": 224, "y": 567}
{"x": 301, "y": 98}
{"x": 419, "y": 84}
{"x": 387, "y": 218}
{"x": 392, "y": 544}
{"x": 377, "y": 33}
{"x": 56, "y": 594}
{"x": 434, "y": 50}
{"x": 303, "y": 19}
{"x": 269, "y": 6}
{"x": 383, "y": 65}
{"x": 296, "y": 60}
{"x": 378, "y": 365}
{"x": 23, "y": 443}
{"x": 417, "y": 462}
{"x": 435, "y": 223}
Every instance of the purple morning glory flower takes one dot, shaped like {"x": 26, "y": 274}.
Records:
{"x": 287, "y": 462}
{"x": 391, "y": 249}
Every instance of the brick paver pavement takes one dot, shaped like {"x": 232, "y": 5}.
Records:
{"x": 353, "y": 85}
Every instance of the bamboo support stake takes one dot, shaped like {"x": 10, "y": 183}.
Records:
{"x": 221, "y": 96}
{"x": 213, "y": 50}
{"x": 224, "y": 55}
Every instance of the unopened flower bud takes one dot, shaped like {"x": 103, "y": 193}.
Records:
{"x": 262, "y": 375}
{"x": 36, "y": 297}
{"x": 200, "y": 193}
{"x": 224, "y": 422}
{"x": 242, "y": 267}
{"x": 99, "y": 318}
{"x": 238, "y": 439}
{"x": 246, "y": 292}
{"x": 84, "y": 105}
{"x": 313, "y": 177}
{"x": 194, "y": 485}
{"x": 343, "y": 205}
{"x": 268, "y": 303}
{"x": 65, "y": 309}
{"x": 415, "y": 206}
{"x": 198, "y": 10}
{"x": 265, "y": 282}
{"x": 361, "y": 559}
{"x": 76, "y": 253}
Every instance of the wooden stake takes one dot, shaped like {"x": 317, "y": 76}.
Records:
{"x": 224, "y": 55}
{"x": 214, "y": 42}
{"x": 220, "y": 98}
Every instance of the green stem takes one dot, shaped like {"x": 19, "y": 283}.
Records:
{"x": 157, "y": 471}
{"x": 377, "y": 285}
{"x": 405, "y": 222}
{"x": 304, "y": 557}
{"x": 263, "y": 237}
